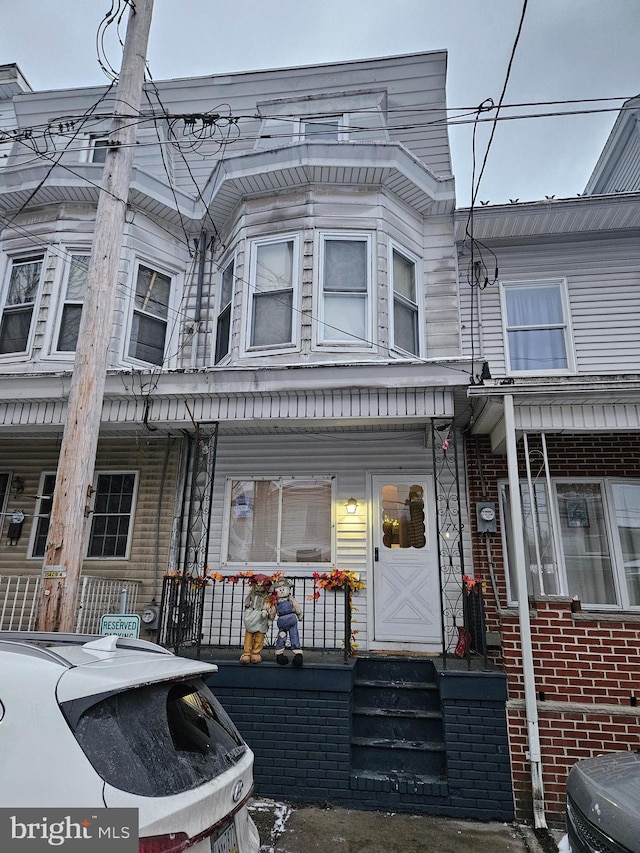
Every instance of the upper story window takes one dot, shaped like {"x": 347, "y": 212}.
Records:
{"x": 279, "y": 521}
{"x": 148, "y": 336}
{"x": 583, "y": 540}
{"x": 406, "y": 330}
{"x": 76, "y": 285}
{"x": 273, "y": 285}
{"x": 359, "y": 114}
{"x": 111, "y": 515}
{"x": 98, "y": 149}
{"x": 536, "y": 327}
{"x": 345, "y": 285}
{"x": 321, "y": 129}
{"x": 223, "y": 325}
{"x": 17, "y": 314}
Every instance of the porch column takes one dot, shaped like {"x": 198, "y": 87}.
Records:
{"x": 531, "y": 707}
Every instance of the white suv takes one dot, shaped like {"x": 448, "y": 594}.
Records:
{"x": 104, "y": 721}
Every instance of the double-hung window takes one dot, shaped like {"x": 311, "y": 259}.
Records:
{"x": 536, "y": 322}
{"x": 111, "y": 515}
{"x": 150, "y": 315}
{"x": 279, "y": 521}
{"x": 583, "y": 540}
{"x": 406, "y": 334}
{"x": 76, "y": 285}
{"x": 223, "y": 326}
{"x": 22, "y": 290}
{"x": 272, "y": 293}
{"x": 345, "y": 284}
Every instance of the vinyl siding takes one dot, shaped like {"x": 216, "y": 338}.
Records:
{"x": 156, "y": 462}
{"x": 351, "y": 458}
{"x": 603, "y": 279}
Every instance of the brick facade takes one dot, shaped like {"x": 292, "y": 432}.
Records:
{"x": 587, "y": 666}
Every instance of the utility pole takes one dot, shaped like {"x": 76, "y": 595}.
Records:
{"x": 64, "y": 554}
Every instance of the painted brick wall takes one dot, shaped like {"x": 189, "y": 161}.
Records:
{"x": 587, "y": 666}
{"x": 298, "y": 723}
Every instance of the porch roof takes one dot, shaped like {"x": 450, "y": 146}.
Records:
{"x": 248, "y": 399}
{"x": 571, "y": 404}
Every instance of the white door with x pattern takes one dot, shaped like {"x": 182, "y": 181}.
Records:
{"x": 405, "y": 565}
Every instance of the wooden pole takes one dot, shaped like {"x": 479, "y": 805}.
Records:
{"x": 64, "y": 553}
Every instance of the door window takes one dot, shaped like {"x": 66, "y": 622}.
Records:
{"x": 403, "y": 520}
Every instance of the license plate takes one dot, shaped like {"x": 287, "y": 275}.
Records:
{"x": 225, "y": 841}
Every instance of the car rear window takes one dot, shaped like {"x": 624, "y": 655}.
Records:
{"x": 159, "y": 739}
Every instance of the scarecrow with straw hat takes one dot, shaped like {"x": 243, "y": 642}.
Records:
{"x": 289, "y": 613}
{"x": 258, "y": 613}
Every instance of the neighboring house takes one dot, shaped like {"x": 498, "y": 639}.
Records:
{"x": 286, "y": 349}
{"x": 560, "y": 415}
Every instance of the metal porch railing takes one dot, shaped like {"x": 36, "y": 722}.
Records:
{"x": 210, "y": 614}
{"x": 19, "y": 595}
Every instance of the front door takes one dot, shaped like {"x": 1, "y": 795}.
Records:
{"x": 406, "y": 588}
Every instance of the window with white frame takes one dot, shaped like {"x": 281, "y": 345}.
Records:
{"x": 150, "y": 315}
{"x": 321, "y": 128}
{"x": 583, "y": 542}
{"x": 272, "y": 293}
{"x": 279, "y": 520}
{"x": 536, "y": 323}
{"x": 345, "y": 284}
{"x": 17, "y": 314}
{"x": 223, "y": 325}
{"x": 75, "y": 288}
{"x": 406, "y": 334}
{"x": 111, "y": 515}
{"x": 98, "y": 149}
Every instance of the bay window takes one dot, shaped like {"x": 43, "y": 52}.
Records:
{"x": 223, "y": 325}
{"x": 76, "y": 286}
{"x": 583, "y": 541}
{"x": 536, "y": 327}
{"x": 405, "y": 303}
{"x": 279, "y": 520}
{"x": 272, "y": 288}
{"x": 22, "y": 289}
{"x": 345, "y": 282}
{"x": 150, "y": 315}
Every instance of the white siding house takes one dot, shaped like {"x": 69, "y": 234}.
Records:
{"x": 287, "y": 297}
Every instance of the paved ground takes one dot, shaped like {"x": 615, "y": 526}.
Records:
{"x": 293, "y": 828}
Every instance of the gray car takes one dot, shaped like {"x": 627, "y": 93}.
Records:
{"x": 603, "y": 804}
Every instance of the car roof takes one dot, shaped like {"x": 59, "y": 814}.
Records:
{"x": 91, "y": 664}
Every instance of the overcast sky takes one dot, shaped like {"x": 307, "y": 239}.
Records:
{"x": 568, "y": 49}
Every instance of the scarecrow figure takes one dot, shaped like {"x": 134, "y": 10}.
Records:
{"x": 289, "y": 612}
{"x": 258, "y": 613}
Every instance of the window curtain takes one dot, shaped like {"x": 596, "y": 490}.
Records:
{"x": 626, "y": 499}
{"x": 535, "y": 348}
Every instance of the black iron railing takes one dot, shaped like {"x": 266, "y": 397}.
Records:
{"x": 196, "y": 614}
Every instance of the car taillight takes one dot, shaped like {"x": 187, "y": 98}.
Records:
{"x": 173, "y": 842}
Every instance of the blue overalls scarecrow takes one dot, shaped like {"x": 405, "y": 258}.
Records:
{"x": 289, "y": 612}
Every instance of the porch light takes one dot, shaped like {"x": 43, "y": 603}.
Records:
{"x": 351, "y": 506}
{"x": 17, "y": 484}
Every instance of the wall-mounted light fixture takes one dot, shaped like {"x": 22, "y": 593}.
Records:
{"x": 351, "y": 506}
{"x": 17, "y": 485}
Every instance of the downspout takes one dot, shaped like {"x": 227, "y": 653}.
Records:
{"x": 531, "y": 706}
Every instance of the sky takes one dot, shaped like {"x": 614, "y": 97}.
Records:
{"x": 567, "y": 50}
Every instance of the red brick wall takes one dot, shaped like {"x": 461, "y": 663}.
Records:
{"x": 581, "y": 661}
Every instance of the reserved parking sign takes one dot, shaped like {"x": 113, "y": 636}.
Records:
{"x": 121, "y": 624}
